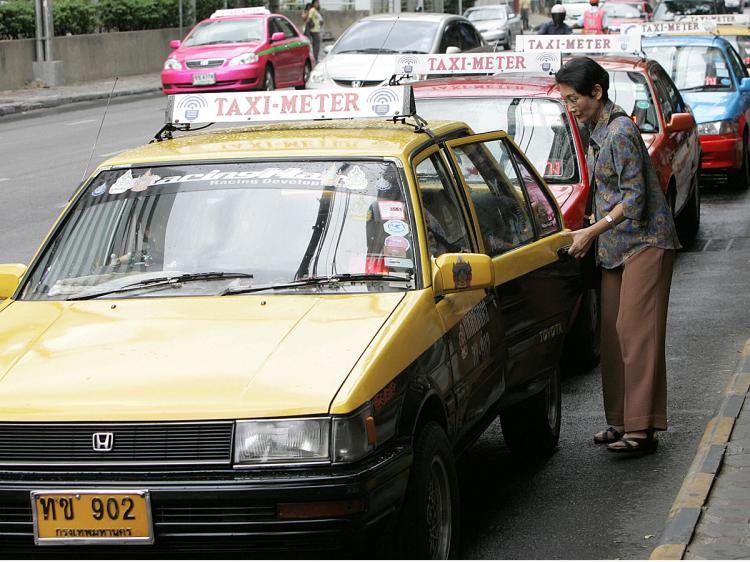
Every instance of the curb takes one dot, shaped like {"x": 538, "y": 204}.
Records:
{"x": 688, "y": 505}
{"x": 33, "y": 104}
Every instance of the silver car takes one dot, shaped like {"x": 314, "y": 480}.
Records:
{"x": 497, "y": 23}
{"x": 357, "y": 58}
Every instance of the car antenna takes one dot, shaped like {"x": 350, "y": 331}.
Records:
{"x": 99, "y": 132}
{"x": 387, "y": 35}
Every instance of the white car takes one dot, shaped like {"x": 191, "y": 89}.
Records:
{"x": 574, "y": 9}
{"x": 357, "y": 58}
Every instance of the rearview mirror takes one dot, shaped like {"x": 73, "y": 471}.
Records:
{"x": 681, "y": 122}
{"x": 10, "y": 277}
{"x": 175, "y": 44}
{"x": 327, "y": 49}
{"x": 278, "y": 36}
{"x": 452, "y": 273}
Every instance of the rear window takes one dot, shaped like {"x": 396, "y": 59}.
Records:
{"x": 693, "y": 68}
{"x": 668, "y": 9}
{"x": 539, "y": 127}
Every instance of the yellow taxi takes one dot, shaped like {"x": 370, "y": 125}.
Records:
{"x": 280, "y": 337}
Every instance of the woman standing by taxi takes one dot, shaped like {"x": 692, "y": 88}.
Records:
{"x": 636, "y": 242}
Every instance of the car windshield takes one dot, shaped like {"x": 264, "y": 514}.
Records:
{"x": 668, "y": 9}
{"x": 693, "y": 67}
{"x": 481, "y": 14}
{"x": 243, "y": 30}
{"x": 630, "y": 91}
{"x": 231, "y": 227}
{"x": 387, "y": 37}
{"x": 621, "y": 10}
{"x": 539, "y": 127}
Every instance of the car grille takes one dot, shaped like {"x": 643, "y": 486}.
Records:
{"x": 204, "y": 63}
{"x": 151, "y": 444}
{"x": 364, "y": 84}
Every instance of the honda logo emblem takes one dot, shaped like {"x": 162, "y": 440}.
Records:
{"x": 103, "y": 442}
{"x": 356, "y": 83}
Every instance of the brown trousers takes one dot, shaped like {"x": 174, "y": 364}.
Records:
{"x": 634, "y": 325}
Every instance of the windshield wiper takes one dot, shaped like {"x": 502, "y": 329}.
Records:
{"x": 694, "y": 88}
{"x": 312, "y": 281}
{"x": 412, "y": 52}
{"x": 156, "y": 282}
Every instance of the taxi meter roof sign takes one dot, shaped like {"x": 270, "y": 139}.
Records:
{"x": 717, "y": 19}
{"x": 669, "y": 27}
{"x": 618, "y": 43}
{"x": 266, "y": 107}
{"x": 229, "y": 12}
{"x": 468, "y": 63}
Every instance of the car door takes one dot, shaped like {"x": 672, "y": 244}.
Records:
{"x": 515, "y": 26}
{"x": 297, "y": 49}
{"x": 469, "y": 318}
{"x": 534, "y": 287}
{"x": 281, "y": 55}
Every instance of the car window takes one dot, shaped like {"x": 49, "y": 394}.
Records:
{"x": 661, "y": 79}
{"x": 667, "y": 105}
{"x": 736, "y": 63}
{"x": 221, "y": 31}
{"x": 388, "y": 37}
{"x": 451, "y": 37}
{"x": 543, "y": 210}
{"x": 286, "y": 27}
{"x": 497, "y": 194}
{"x": 469, "y": 39}
{"x": 631, "y": 91}
{"x": 444, "y": 221}
{"x": 668, "y": 9}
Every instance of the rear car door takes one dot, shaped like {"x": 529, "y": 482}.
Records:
{"x": 521, "y": 230}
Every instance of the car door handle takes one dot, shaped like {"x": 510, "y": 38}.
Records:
{"x": 562, "y": 253}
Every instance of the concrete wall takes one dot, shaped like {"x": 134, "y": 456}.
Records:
{"x": 105, "y": 55}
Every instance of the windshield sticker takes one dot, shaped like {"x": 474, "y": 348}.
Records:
{"x": 391, "y": 210}
{"x": 396, "y": 246}
{"x": 356, "y": 180}
{"x": 123, "y": 183}
{"x": 144, "y": 182}
{"x": 398, "y": 262}
{"x": 396, "y": 228}
{"x": 383, "y": 184}
{"x": 330, "y": 177}
{"x": 725, "y": 82}
{"x": 100, "y": 190}
{"x": 359, "y": 208}
{"x": 642, "y": 104}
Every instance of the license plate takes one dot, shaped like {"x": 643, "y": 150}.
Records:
{"x": 92, "y": 517}
{"x": 204, "y": 79}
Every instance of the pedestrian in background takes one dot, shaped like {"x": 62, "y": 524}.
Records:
{"x": 316, "y": 26}
{"x": 306, "y": 21}
{"x": 557, "y": 25}
{"x": 525, "y": 6}
{"x": 636, "y": 243}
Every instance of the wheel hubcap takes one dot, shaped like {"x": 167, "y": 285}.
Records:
{"x": 439, "y": 517}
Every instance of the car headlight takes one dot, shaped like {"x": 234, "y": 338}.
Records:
{"x": 726, "y": 127}
{"x": 245, "y": 58}
{"x": 292, "y": 440}
{"x": 318, "y": 76}
{"x": 354, "y": 436}
{"x": 172, "y": 64}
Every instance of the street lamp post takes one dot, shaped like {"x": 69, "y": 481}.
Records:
{"x": 45, "y": 69}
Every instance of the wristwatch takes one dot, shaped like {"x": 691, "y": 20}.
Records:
{"x": 610, "y": 221}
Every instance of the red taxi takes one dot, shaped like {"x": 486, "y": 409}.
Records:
{"x": 531, "y": 110}
{"x": 239, "y": 49}
{"x": 647, "y": 93}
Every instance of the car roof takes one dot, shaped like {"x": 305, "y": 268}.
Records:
{"x": 722, "y": 30}
{"x": 531, "y": 85}
{"x": 242, "y": 17}
{"x": 337, "y": 138}
{"x": 622, "y": 62}
{"x": 706, "y": 40}
{"x": 413, "y": 16}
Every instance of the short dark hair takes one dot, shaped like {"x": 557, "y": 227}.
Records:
{"x": 582, "y": 74}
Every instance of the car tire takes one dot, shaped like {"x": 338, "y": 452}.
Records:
{"x": 305, "y": 75}
{"x": 509, "y": 44}
{"x": 740, "y": 179}
{"x": 269, "y": 83}
{"x": 582, "y": 348}
{"x": 690, "y": 218}
{"x": 430, "y": 517}
{"x": 531, "y": 428}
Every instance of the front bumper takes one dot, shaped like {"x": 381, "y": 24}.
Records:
{"x": 495, "y": 36}
{"x": 249, "y": 77}
{"x": 721, "y": 152}
{"x": 227, "y": 510}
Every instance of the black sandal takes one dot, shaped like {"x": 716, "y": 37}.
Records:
{"x": 646, "y": 444}
{"x": 605, "y": 436}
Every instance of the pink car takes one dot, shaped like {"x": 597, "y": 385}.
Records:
{"x": 239, "y": 49}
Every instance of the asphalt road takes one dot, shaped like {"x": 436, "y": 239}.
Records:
{"x": 584, "y": 503}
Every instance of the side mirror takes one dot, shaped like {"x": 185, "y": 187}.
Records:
{"x": 278, "y": 36}
{"x": 681, "y": 122}
{"x": 10, "y": 277}
{"x": 452, "y": 50}
{"x": 327, "y": 49}
{"x": 175, "y": 44}
{"x": 745, "y": 85}
{"x": 452, "y": 273}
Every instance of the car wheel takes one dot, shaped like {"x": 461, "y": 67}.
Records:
{"x": 509, "y": 44}
{"x": 268, "y": 81}
{"x": 740, "y": 179}
{"x": 532, "y": 427}
{"x": 582, "y": 347}
{"x": 305, "y": 76}
{"x": 690, "y": 217}
{"x": 430, "y": 518}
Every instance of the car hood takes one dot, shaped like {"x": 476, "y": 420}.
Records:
{"x": 183, "y": 358}
{"x": 359, "y": 66}
{"x": 490, "y": 25}
{"x": 711, "y": 106}
{"x": 215, "y": 51}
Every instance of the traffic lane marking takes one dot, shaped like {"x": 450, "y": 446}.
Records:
{"x": 85, "y": 121}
